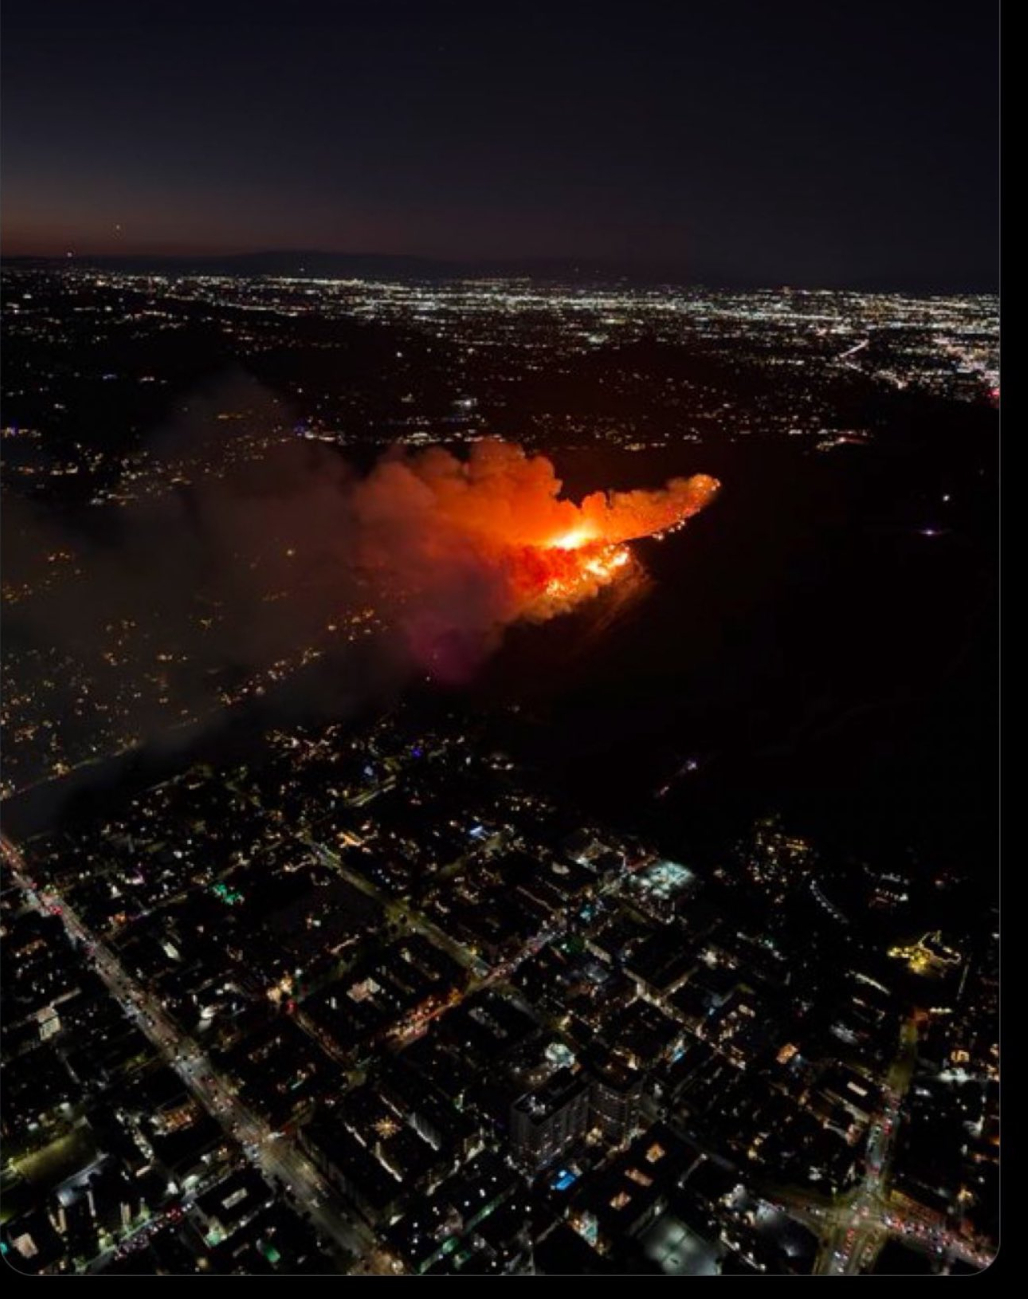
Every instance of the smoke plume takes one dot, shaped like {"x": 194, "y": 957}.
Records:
{"x": 464, "y": 547}
{"x": 125, "y": 622}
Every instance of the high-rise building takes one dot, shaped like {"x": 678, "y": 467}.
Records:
{"x": 545, "y": 1122}
{"x": 614, "y": 1099}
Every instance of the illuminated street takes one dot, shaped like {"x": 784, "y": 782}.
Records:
{"x": 277, "y": 1158}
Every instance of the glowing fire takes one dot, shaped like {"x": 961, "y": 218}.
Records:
{"x": 593, "y": 565}
{"x": 574, "y": 539}
{"x": 476, "y": 543}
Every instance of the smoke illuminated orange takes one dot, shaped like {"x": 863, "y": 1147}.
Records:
{"x": 574, "y": 539}
{"x": 492, "y": 534}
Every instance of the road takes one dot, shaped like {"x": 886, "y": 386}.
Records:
{"x": 394, "y": 908}
{"x": 859, "y": 1230}
{"x": 855, "y": 1226}
{"x": 275, "y": 1156}
{"x": 481, "y": 975}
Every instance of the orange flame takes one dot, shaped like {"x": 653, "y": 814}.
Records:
{"x": 492, "y": 532}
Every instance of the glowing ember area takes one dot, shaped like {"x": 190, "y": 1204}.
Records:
{"x": 554, "y": 578}
{"x": 592, "y": 566}
{"x": 476, "y": 544}
{"x": 572, "y": 540}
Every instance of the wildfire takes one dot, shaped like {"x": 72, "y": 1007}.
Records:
{"x": 593, "y": 566}
{"x": 574, "y": 540}
{"x": 478, "y": 543}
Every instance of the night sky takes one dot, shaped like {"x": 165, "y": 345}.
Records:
{"x": 763, "y": 142}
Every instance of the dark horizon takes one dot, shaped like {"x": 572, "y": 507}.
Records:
{"x": 800, "y": 146}
{"x": 345, "y": 263}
